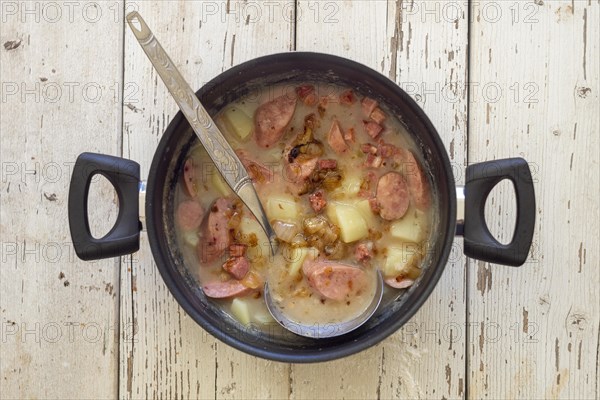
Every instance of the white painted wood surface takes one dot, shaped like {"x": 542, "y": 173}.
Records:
{"x": 540, "y": 322}
{"x": 58, "y": 315}
{"x": 535, "y": 328}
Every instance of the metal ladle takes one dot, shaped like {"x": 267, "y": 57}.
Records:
{"x": 234, "y": 173}
{"x": 217, "y": 147}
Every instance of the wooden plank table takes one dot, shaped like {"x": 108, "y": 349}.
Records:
{"x": 497, "y": 78}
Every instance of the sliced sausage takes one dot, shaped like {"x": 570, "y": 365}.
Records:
{"x": 271, "y": 119}
{"x": 222, "y": 290}
{"x": 417, "y": 181}
{"x": 258, "y": 172}
{"x": 189, "y": 178}
{"x": 335, "y": 138}
{"x": 216, "y": 235}
{"x": 392, "y": 196}
{"x": 189, "y": 215}
{"x": 238, "y": 267}
{"x": 399, "y": 282}
{"x": 368, "y": 105}
{"x": 335, "y": 281}
{"x": 372, "y": 129}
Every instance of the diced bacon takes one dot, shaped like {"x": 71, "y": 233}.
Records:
{"x": 368, "y": 148}
{"x": 372, "y": 129}
{"x": 362, "y": 252}
{"x": 317, "y": 201}
{"x": 306, "y": 93}
{"x": 373, "y": 161}
{"x": 237, "y": 250}
{"x": 238, "y": 267}
{"x": 378, "y": 115}
{"x": 368, "y": 105}
{"x": 386, "y": 150}
{"x": 347, "y": 97}
{"x": 327, "y": 164}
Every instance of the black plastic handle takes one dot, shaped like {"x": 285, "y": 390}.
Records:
{"x": 479, "y": 242}
{"x": 124, "y": 237}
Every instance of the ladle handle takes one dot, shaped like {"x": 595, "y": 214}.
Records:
{"x": 219, "y": 150}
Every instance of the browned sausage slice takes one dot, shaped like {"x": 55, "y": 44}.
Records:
{"x": 271, "y": 119}
{"x": 216, "y": 236}
{"x": 336, "y": 281}
{"x": 335, "y": 138}
{"x": 189, "y": 215}
{"x": 392, "y": 196}
{"x": 222, "y": 290}
{"x": 399, "y": 282}
{"x": 417, "y": 181}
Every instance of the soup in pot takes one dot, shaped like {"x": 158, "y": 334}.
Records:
{"x": 342, "y": 183}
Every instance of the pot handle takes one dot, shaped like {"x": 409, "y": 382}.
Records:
{"x": 479, "y": 242}
{"x": 124, "y": 237}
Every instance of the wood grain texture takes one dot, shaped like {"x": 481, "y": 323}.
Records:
{"x": 423, "y": 47}
{"x": 59, "y": 315}
{"x": 169, "y": 355}
{"x": 536, "y": 327}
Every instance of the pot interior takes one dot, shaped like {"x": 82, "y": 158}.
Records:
{"x": 244, "y": 80}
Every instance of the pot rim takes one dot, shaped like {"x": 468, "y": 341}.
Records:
{"x": 373, "y": 337}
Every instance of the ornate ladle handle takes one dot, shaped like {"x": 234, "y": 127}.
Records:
{"x": 219, "y": 150}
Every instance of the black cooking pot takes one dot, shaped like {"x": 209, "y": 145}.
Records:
{"x": 165, "y": 172}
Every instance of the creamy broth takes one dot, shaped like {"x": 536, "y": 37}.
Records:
{"x": 344, "y": 198}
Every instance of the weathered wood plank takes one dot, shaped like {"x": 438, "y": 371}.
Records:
{"x": 170, "y": 355}
{"x": 423, "y": 47}
{"x": 59, "y": 315}
{"x": 536, "y": 327}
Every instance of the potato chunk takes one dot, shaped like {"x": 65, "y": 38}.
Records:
{"x": 352, "y": 225}
{"x": 402, "y": 260}
{"x": 365, "y": 210}
{"x": 410, "y": 228}
{"x": 282, "y": 207}
{"x": 238, "y": 122}
{"x": 240, "y": 310}
{"x": 220, "y": 184}
{"x": 251, "y": 234}
{"x": 297, "y": 256}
